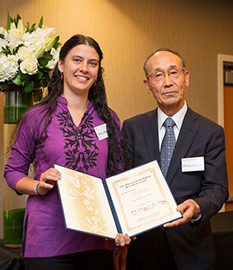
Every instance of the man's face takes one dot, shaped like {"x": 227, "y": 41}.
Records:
{"x": 167, "y": 82}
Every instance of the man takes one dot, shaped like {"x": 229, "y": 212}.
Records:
{"x": 200, "y": 192}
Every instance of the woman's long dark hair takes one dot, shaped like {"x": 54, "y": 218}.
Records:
{"x": 96, "y": 94}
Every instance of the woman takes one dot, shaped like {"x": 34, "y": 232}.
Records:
{"x": 60, "y": 129}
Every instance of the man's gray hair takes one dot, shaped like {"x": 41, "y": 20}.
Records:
{"x": 163, "y": 49}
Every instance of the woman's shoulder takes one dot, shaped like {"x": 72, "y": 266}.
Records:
{"x": 114, "y": 115}
{"x": 34, "y": 114}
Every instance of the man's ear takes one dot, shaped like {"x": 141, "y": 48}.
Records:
{"x": 147, "y": 85}
{"x": 186, "y": 77}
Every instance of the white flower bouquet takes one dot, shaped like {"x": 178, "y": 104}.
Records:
{"x": 27, "y": 55}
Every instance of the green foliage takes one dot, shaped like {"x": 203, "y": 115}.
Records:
{"x": 43, "y": 61}
{"x": 57, "y": 43}
{"x": 9, "y": 21}
{"x": 40, "y": 79}
{"x": 41, "y": 22}
{"x": 28, "y": 87}
{"x": 6, "y": 50}
{"x": 29, "y": 28}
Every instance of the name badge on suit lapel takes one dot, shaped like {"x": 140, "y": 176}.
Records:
{"x": 193, "y": 164}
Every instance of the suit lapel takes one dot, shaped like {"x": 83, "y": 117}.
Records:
{"x": 150, "y": 131}
{"x": 187, "y": 134}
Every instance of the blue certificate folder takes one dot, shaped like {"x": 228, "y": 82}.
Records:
{"x": 131, "y": 202}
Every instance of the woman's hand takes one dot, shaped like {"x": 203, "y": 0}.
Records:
{"x": 47, "y": 181}
{"x": 122, "y": 240}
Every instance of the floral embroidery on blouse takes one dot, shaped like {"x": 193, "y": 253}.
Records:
{"x": 80, "y": 144}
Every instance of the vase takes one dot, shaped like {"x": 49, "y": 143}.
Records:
{"x": 16, "y": 102}
{"x": 13, "y": 227}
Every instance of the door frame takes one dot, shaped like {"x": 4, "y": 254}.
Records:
{"x": 222, "y": 59}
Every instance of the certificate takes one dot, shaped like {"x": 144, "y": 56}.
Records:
{"x": 131, "y": 202}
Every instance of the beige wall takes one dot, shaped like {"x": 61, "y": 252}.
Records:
{"x": 128, "y": 31}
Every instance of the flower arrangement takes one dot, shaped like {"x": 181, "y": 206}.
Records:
{"x": 27, "y": 55}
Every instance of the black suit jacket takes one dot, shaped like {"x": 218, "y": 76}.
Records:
{"x": 190, "y": 244}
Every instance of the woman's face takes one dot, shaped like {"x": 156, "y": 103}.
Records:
{"x": 80, "y": 69}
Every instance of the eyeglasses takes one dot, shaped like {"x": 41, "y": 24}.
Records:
{"x": 158, "y": 75}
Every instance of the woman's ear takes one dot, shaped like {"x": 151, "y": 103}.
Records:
{"x": 60, "y": 65}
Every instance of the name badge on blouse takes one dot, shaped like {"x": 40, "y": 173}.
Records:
{"x": 101, "y": 132}
{"x": 193, "y": 164}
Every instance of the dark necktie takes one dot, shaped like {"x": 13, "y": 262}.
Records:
{"x": 168, "y": 145}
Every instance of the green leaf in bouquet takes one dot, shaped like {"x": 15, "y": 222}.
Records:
{"x": 41, "y": 22}
{"x": 29, "y": 28}
{"x": 39, "y": 75}
{"x": 16, "y": 20}
{"x": 50, "y": 43}
{"x": 17, "y": 48}
{"x": 57, "y": 43}
{"x": 29, "y": 87}
{"x": 15, "y": 51}
{"x": 19, "y": 79}
{"x": 9, "y": 21}
{"x": 43, "y": 61}
{"x": 6, "y": 50}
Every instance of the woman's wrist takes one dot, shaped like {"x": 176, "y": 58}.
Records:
{"x": 37, "y": 189}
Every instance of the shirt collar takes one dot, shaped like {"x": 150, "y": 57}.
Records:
{"x": 178, "y": 117}
{"x": 62, "y": 101}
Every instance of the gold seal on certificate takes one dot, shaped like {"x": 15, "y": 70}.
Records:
{"x": 131, "y": 202}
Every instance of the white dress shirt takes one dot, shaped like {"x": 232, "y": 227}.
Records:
{"x": 177, "y": 118}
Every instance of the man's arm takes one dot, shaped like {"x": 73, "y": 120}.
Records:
{"x": 214, "y": 186}
{"x": 190, "y": 211}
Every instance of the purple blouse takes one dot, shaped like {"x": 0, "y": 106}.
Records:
{"x": 67, "y": 145}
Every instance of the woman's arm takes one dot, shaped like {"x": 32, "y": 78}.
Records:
{"x": 30, "y": 186}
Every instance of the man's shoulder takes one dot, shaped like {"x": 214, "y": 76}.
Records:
{"x": 141, "y": 117}
{"x": 202, "y": 120}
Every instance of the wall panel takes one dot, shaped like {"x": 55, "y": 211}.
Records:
{"x": 128, "y": 31}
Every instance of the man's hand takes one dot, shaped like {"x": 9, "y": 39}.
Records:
{"x": 189, "y": 209}
{"x": 119, "y": 258}
{"x": 122, "y": 240}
